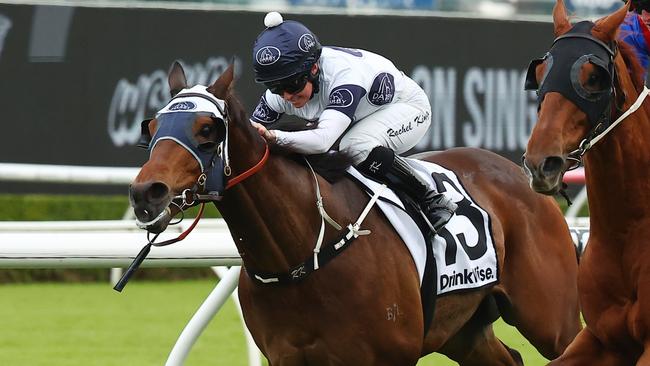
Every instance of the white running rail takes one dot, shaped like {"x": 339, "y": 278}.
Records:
{"x": 11, "y": 172}
{"x": 110, "y": 244}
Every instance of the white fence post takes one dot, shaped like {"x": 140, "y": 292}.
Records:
{"x": 254, "y": 358}
{"x": 202, "y": 317}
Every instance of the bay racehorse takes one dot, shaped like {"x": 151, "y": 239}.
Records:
{"x": 590, "y": 86}
{"x": 364, "y": 307}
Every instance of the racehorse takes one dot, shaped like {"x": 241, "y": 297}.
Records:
{"x": 601, "y": 125}
{"x": 364, "y": 307}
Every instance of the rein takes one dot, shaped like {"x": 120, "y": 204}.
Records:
{"x": 589, "y": 142}
{"x": 592, "y": 138}
{"x": 254, "y": 169}
{"x": 119, "y": 286}
{"x": 190, "y": 197}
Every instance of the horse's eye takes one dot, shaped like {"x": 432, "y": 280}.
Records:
{"x": 206, "y": 130}
{"x": 596, "y": 81}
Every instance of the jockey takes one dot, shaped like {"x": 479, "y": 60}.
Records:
{"x": 353, "y": 96}
{"x": 635, "y": 32}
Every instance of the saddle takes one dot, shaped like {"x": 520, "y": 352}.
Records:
{"x": 428, "y": 287}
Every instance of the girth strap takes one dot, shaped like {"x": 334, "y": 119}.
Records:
{"x": 301, "y": 271}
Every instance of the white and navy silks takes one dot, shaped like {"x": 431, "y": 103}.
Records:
{"x": 464, "y": 250}
{"x": 361, "y": 92}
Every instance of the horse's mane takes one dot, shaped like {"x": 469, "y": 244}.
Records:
{"x": 632, "y": 62}
{"x": 236, "y": 108}
{"x": 331, "y": 165}
{"x": 633, "y": 65}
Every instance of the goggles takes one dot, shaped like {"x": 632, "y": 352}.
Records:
{"x": 291, "y": 85}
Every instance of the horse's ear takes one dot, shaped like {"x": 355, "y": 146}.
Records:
{"x": 560, "y": 18}
{"x": 176, "y": 79}
{"x": 607, "y": 27}
{"x": 220, "y": 87}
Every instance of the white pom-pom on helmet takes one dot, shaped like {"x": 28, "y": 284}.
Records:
{"x": 273, "y": 19}
{"x": 284, "y": 49}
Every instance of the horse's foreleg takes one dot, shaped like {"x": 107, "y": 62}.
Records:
{"x": 541, "y": 300}
{"x": 480, "y": 347}
{"x": 586, "y": 349}
{"x": 492, "y": 352}
{"x": 644, "y": 360}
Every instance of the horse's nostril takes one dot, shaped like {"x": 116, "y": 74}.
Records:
{"x": 157, "y": 191}
{"x": 143, "y": 214}
{"x": 552, "y": 165}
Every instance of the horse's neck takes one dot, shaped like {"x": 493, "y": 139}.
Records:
{"x": 617, "y": 173}
{"x": 273, "y": 216}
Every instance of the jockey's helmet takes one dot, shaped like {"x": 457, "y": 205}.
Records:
{"x": 285, "y": 49}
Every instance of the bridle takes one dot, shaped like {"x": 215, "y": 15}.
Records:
{"x": 598, "y": 106}
{"x": 200, "y": 192}
{"x": 212, "y": 156}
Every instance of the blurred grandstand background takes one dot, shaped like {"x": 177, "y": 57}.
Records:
{"x": 482, "y": 8}
{"x": 490, "y": 8}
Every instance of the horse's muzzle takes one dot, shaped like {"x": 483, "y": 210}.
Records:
{"x": 545, "y": 177}
{"x": 150, "y": 202}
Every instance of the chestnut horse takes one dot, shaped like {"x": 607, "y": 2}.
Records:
{"x": 364, "y": 306}
{"x": 600, "y": 123}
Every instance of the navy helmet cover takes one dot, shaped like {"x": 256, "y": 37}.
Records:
{"x": 283, "y": 51}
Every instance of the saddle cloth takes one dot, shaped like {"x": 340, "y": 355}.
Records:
{"x": 463, "y": 249}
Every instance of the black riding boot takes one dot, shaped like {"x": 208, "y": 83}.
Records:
{"x": 384, "y": 165}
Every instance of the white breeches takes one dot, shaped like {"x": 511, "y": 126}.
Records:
{"x": 398, "y": 126}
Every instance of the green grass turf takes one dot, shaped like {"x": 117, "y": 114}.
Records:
{"x": 89, "y": 324}
{"x": 40, "y": 207}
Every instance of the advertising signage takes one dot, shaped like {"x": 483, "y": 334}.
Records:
{"x": 77, "y": 82}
